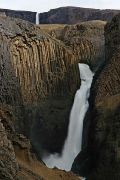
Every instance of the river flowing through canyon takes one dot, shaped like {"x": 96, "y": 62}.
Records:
{"x": 72, "y": 145}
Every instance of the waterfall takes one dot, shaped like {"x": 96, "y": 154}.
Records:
{"x": 37, "y": 18}
{"x": 73, "y": 142}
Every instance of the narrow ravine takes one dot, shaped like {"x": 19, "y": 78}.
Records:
{"x": 73, "y": 142}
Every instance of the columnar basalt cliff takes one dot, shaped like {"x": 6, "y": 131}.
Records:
{"x": 85, "y": 39}
{"x": 25, "y": 15}
{"x": 73, "y": 15}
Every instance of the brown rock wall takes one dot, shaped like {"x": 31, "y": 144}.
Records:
{"x": 43, "y": 67}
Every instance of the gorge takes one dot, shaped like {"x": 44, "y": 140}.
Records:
{"x": 39, "y": 77}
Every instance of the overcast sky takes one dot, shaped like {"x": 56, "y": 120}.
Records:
{"x": 46, "y": 5}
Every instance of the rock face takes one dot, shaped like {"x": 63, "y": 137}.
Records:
{"x": 104, "y": 144}
{"x": 106, "y": 105}
{"x": 25, "y": 15}
{"x": 85, "y": 39}
{"x": 8, "y": 164}
{"x": 73, "y": 15}
{"x": 16, "y": 160}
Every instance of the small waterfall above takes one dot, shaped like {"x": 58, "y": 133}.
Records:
{"x": 37, "y": 18}
{"x": 73, "y": 142}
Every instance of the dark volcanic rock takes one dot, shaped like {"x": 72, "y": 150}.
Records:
{"x": 102, "y": 156}
{"x": 25, "y": 15}
{"x": 105, "y": 109}
{"x": 73, "y": 15}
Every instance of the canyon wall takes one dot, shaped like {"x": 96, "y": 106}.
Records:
{"x": 39, "y": 78}
{"x": 37, "y": 89}
{"x": 102, "y": 156}
{"x": 105, "y": 108}
{"x": 85, "y": 40}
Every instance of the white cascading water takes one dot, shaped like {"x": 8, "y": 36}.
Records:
{"x": 73, "y": 142}
{"x": 37, "y": 18}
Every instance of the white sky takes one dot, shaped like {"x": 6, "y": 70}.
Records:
{"x": 46, "y": 5}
